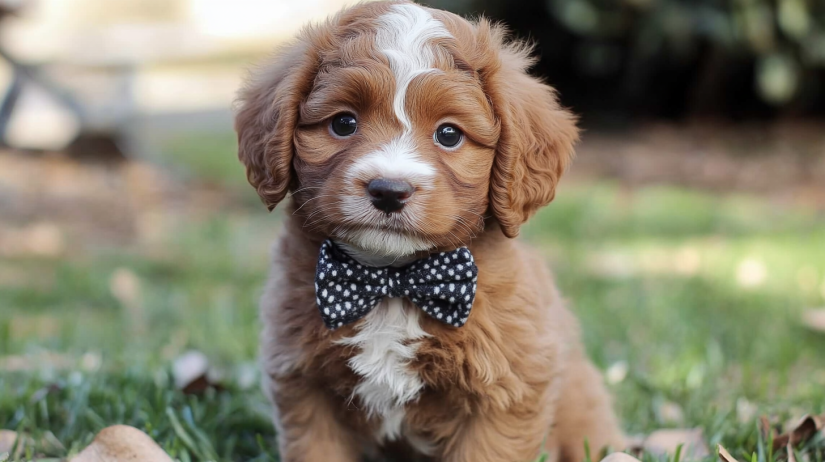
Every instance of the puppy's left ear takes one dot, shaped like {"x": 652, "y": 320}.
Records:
{"x": 537, "y": 136}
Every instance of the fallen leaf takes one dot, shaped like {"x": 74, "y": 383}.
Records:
{"x": 745, "y": 410}
{"x": 192, "y": 373}
{"x": 791, "y": 454}
{"x": 617, "y": 372}
{"x": 814, "y": 319}
{"x": 619, "y": 457}
{"x": 724, "y": 455}
{"x": 663, "y": 442}
{"x": 766, "y": 429}
{"x": 122, "y": 442}
{"x": 670, "y": 413}
{"x": 8, "y": 440}
{"x": 803, "y": 431}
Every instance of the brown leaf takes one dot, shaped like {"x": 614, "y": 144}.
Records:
{"x": 814, "y": 319}
{"x": 9, "y": 438}
{"x": 791, "y": 454}
{"x": 766, "y": 429}
{"x": 192, "y": 373}
{"x": 619, "y": 457}
{"x": 122, "y": 442}
{"x": 663, "y": 442}
{"x": 724, "y": 455}
{"x": 803, "y": 431}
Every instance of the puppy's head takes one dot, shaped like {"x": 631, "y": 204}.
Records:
{"x": 399, "y": 129}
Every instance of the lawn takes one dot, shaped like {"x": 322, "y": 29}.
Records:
{"x": 690, "y": 303}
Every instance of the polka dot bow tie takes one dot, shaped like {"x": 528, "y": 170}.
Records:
{"x": 443, "y": 285}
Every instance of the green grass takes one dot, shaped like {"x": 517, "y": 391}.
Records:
{"x": 697, "y": 294}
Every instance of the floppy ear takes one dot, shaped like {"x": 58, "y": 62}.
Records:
{"x": 266, "y": 118}
{"x": 537, "y": 135}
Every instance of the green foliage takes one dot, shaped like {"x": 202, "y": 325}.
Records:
{"x": 785, "y": 37}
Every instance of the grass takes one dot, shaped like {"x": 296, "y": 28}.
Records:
{"x": 690, "y": 302}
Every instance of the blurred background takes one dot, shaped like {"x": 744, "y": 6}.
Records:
{"x": 689, "y": 236}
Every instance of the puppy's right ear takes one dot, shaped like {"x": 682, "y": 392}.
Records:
{"x": 267, "y": 116}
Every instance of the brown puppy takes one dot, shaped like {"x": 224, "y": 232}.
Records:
{"x": 402, "y": 131}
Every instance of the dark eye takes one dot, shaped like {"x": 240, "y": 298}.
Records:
{"x": 344, "y": 124}
{"x": 448, "y": 135}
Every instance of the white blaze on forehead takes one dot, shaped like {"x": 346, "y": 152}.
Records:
{"x": 403, "y": 36}
{"x": 396, "y": 159}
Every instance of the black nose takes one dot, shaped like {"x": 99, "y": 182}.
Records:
{"x": 389, "y": 195}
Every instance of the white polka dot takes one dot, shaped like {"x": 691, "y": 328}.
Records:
{"x": 326, "y": 310}
{"x": 330, "y": 299}
{"x": 321, "y": 275}
{"x": 469, "y": 274}
{"x": 324, "y": 293}
{"x": 436, "y": 290}
{"x": 338, "y": 287}
{"x": 463, "y": 289}
{"x": 467, "y": 298}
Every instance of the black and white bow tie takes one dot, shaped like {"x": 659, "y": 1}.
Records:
{"x": 443, "y": 285}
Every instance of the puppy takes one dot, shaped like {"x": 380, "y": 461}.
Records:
{"x": 400, "y": 314}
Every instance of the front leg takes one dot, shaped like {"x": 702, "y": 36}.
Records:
{"x": 308, "y": 428}
{"x": 512, "y": 435}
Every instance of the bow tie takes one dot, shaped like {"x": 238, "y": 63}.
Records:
{"x": 443, "y": 285}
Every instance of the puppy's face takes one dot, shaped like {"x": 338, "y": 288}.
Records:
{"x": 399, "y": 129}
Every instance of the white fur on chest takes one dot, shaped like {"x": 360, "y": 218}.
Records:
{"x": 387, "y": 343}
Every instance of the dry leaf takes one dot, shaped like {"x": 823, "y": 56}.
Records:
{"x": 814, "y": 319}
{"x": 791, "y": 454}
{"x": 7, "y": 440}
{"x": 663, "y": 442}
{"x": 745, "y": 410}
{"x": 619, "y": 457}
{"x": 122, "y": 442}
{"x": 192, "y": 373}
{"x": 670, "y": 413}
{"x": 766, "y": 429}
{"x": 724, "y": 455}
{"x": 804, "y": 430}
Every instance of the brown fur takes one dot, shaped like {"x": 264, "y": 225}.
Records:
{"x": 514, "y": 379}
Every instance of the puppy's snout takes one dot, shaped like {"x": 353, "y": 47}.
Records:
{"x": 389, "y": 195}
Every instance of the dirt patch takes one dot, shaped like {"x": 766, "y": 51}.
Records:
{"x": 783, "y": 161}
{"x": 51, "y": 204}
